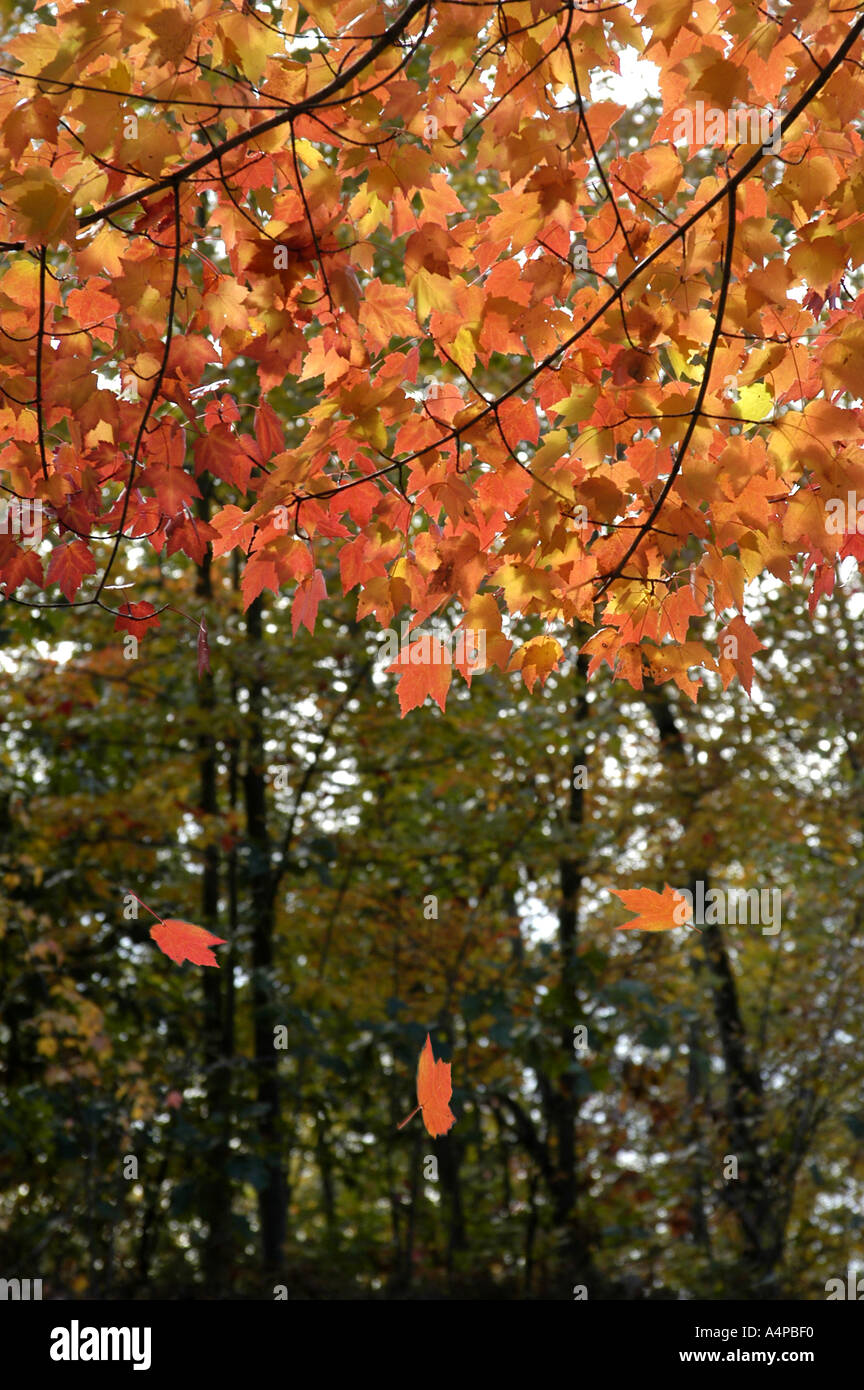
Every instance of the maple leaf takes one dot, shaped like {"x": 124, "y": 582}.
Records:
{"x": 68, "y": 566}
{"x": 172, "y": 486}
{"x": 224, "y": 455}
{"x": 189, "y": 534}
{"x": 536, "y": 659}
{"x": 304, "y": 609}
{"x": 385, "y": 313}
{"x": 91, "y": 305}
{"x": 433, "y": 1093}
{"x": 425, "y": 669}
{"x": 223, "y": 306}
{"x": 136, "y": 618}
{"x": 44, "y": 208}
{"x": 268, "y": 430}
{"x": 20, "y": 565}
{"x": 743, "y": 643}
{"x": 259, "y": 573}
{"x": 656, "y": 911}
{"x": 183, "y": 940}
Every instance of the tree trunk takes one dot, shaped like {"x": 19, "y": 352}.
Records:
{"x": 217, "y": 1194}
{"x": 272, "y": 1198}
{"x": 751, "y": 1196}
{"x": 562, "y": 1101}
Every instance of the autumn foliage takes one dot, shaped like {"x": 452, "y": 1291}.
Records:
{"x": 453, "y": 410}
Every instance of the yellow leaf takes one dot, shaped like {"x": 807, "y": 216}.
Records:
{"x": 578, "y": 405}
{"x": 247, "y": 44}
{"x": 754, "y": 402}
{"x": 462, "y": 349}
{"x": 44, "y": 209}
{"x": 550, "y": 451}
{"x": 433, "y": 292}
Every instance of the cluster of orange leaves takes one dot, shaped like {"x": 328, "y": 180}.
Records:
{"x": 580, "y": 459}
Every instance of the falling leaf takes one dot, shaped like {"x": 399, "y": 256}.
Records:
{"x": 182, "y": 940}
{"x": 656, "y": 911}
{"x": 433, "y": 1093}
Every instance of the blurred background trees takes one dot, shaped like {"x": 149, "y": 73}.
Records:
{"x": 377, "y": 878}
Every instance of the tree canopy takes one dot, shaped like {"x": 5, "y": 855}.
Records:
{"x": 635, "y": 358}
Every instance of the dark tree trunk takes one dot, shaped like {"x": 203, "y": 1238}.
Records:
{"x": 562, "y": 1100}
{"x": 753, "y": 1196}
{"x": 272, "y": 1198}
{"x": 217, "y": 1194}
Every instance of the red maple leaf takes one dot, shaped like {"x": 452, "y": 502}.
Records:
{"x": 68, "y": 566}
{"x": 136, "y": 618}
{"x": 433, "y": 1093}
{"x": 183, "y": 940}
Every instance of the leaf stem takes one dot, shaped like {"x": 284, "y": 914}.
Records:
{"x": 144, "y": 905}
{"x": 404, "y": 1122}
{"x": 196, "y": 622}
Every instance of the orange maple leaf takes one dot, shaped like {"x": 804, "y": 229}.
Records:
{"x": 425, "y": 669}
{"x": 656, "y": 911}
{"x": 746, "y": 643}
{"x": 304, "y": 609}
{"x": 183, "y": 940}
{"x": 433, "y": 1093}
